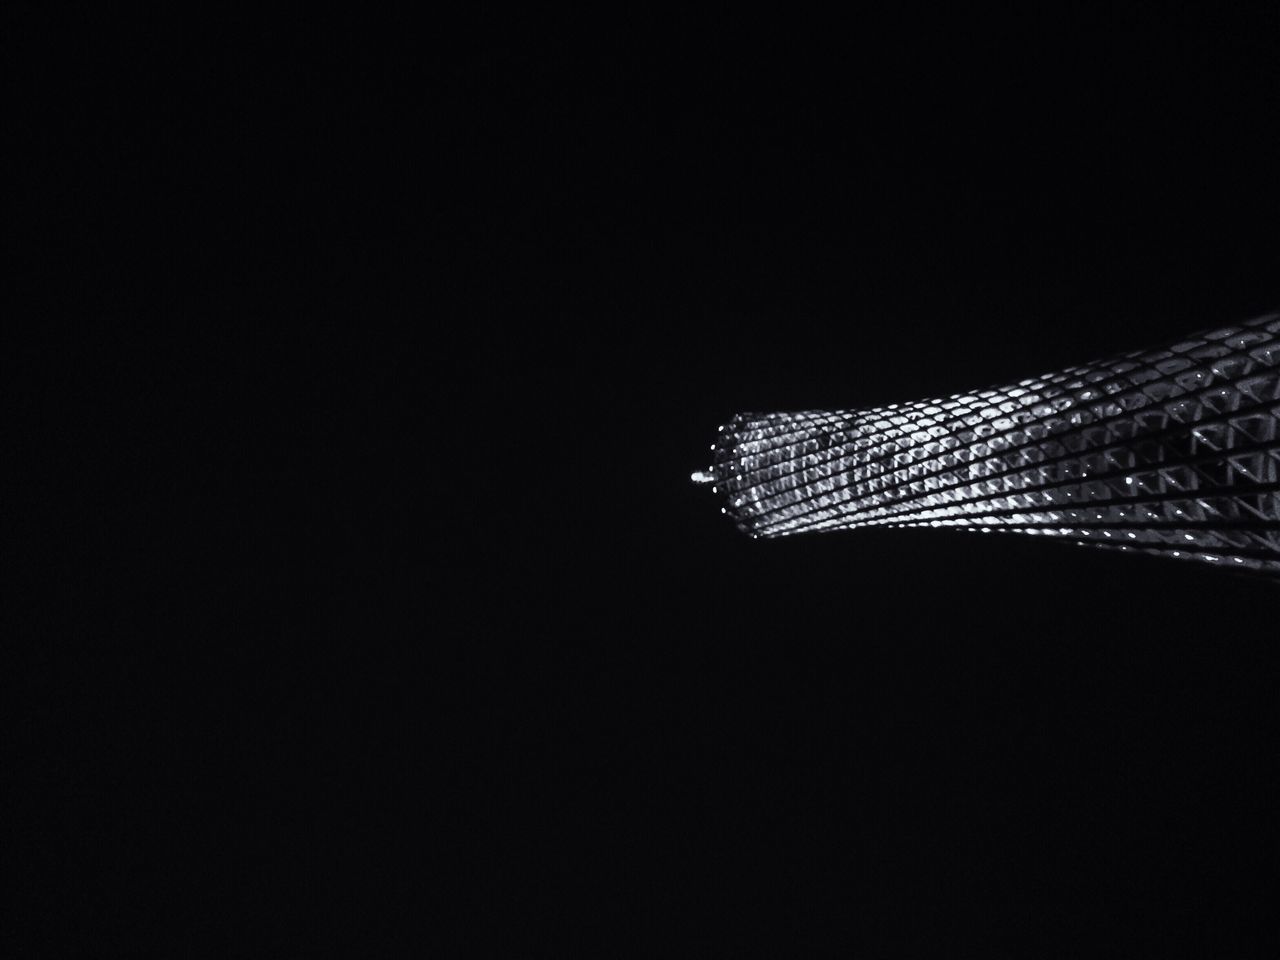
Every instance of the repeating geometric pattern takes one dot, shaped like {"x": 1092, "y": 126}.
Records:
{"x": 1174, "y": 451}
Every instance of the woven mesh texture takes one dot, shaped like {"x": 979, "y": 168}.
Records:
{"x": 1173, "y": 451}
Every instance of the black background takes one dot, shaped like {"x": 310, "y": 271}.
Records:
{"x": 415, "y": 334}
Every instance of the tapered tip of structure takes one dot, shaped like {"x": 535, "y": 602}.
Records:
{"x": 702, "y": 476}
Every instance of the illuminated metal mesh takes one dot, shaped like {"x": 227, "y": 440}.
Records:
{"x": 1173, "y": 451}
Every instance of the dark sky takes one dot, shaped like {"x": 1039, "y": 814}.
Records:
{"x": 447, "y": 319}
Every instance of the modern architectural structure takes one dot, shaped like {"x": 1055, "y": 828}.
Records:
{"x": 1173, "y": 451}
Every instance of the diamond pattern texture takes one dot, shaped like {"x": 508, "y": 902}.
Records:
{"x": 1174, "y": 451}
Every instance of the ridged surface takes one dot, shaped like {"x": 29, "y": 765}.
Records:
{"x": 1173, "y": 451}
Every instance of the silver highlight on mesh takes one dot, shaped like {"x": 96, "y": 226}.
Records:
{"x": 1172, "y": 451}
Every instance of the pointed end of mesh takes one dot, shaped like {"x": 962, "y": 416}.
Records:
{"x": 724, "y": 479}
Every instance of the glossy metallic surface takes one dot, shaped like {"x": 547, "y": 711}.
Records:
{"x": 1173, "y": 451}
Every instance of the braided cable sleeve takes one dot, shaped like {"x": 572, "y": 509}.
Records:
{"x": 1172, "y": 451}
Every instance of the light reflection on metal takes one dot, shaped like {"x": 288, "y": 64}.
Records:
{"x": 1174, "y": 447}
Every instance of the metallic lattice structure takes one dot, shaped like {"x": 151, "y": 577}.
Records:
{"x": 1174, "y": 452}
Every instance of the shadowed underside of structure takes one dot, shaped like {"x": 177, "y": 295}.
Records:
{"x": 1173, "y": 451}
